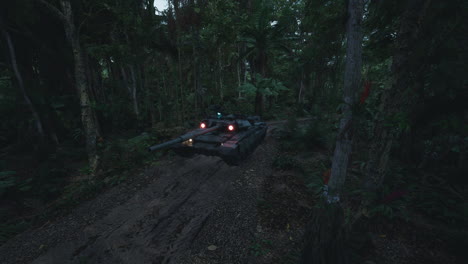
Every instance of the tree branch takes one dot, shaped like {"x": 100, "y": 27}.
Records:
{"x": 52, "y": 9}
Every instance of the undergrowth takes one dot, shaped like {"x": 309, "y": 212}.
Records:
{"x": 52, "y": 191}
{"x": 411, "y": 193}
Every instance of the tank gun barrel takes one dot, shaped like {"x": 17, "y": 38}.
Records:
{"x": 184, "y": 137}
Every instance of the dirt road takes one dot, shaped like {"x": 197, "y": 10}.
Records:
{"x": 197, "y": 210}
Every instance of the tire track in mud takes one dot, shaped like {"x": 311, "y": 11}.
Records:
{"x": 158, "y": 222}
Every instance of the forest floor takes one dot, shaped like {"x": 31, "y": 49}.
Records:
{"x": 197, "y": 210}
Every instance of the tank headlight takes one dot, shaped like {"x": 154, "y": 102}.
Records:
{"x": 202, "y": 125}
{"x": 231, "y": 128}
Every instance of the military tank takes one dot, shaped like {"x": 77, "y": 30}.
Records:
{"x": 231, "y": 137}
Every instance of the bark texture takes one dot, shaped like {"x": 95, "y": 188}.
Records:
{"x": 352, "y": 79}
{"x": 326, "y": 237}
{"x": 397, "y": 100}
{"x": 326, "y": 233}
{"x": 88, "y": 117}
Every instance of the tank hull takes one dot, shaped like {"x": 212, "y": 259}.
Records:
{"x": 232, "y": 147}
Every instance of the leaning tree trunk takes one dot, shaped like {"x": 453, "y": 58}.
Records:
{"x": 397, "y": 99}
{"x": 261, "y": 68}
{"x": 326, "y": 233}
{"x": 136, "y": 109}
{"x": 88, "y": 117}
{"x": 352, "y": 79}
{"x": 19, "y": 78}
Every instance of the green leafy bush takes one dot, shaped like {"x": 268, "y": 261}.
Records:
{"x": 316, "y": 134}
{"x": 124, "y": 154}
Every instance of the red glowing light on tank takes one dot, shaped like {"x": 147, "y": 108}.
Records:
{"x": 202, "y": 125}
{"x": 230, "y": 127}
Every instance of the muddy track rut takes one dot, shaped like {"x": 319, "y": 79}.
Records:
{"x": 157, "y": 222}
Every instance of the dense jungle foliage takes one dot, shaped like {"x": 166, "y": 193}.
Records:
{"x": 87, "y": 85}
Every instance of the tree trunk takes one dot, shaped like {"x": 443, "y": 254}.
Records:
{"x": 352, "y": 79}
{"x": 181, "y": 84}
{"x": 396, "y": 100}
{"x": 220, "y": 69}
{"x": 260, "y": 68}
{"x": 326, "y": 232}
{"x": 199, "y": 93}
{"x": 19, "y": 78}
{"x": 134, "y": 93}
{"x": 238, "y": 68}
{"x": 318, "y": 90}
{"x": 131, "y": 88}
{"x": 301, "y": 89}
{"x": 325, "y": 237}
{"x": 88, "y": 117}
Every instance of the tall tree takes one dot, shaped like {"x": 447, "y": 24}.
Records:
{"x": 88, "y": 115}
{"x": 352, "y": 80}
{"x": 326, "y": 234}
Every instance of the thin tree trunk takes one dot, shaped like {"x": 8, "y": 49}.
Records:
{"x": 179, "y": 100}
{"x": 134, "y": 92}
{"x": 113, "y": 76}
{"x": 326, "y": 234}
{"x": 396, "y": 99}
{"x": 318, "y": 85}
{"x": 88, "y": 117}
{"x": 238, "y": 72}
{"x": 131, "y": 88}
{"x": 160, "y": 107}
{"x": 261, "y": 69}
{"x": 220, "y": 70}
{"x": 301, "y": 88}
{"x": 352, "y": 79}
{"x": 19, "y": 78}
{"x": 199, "y": 94}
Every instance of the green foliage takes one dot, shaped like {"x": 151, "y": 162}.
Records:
{"x": 240, "y": 105}
{"x": 312, "y": 134}
{"x": 314, "y": 182}
{"x": 266, "y": 86}
{"x": 124, "y": 154}
{"x": 81, "y": 190}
